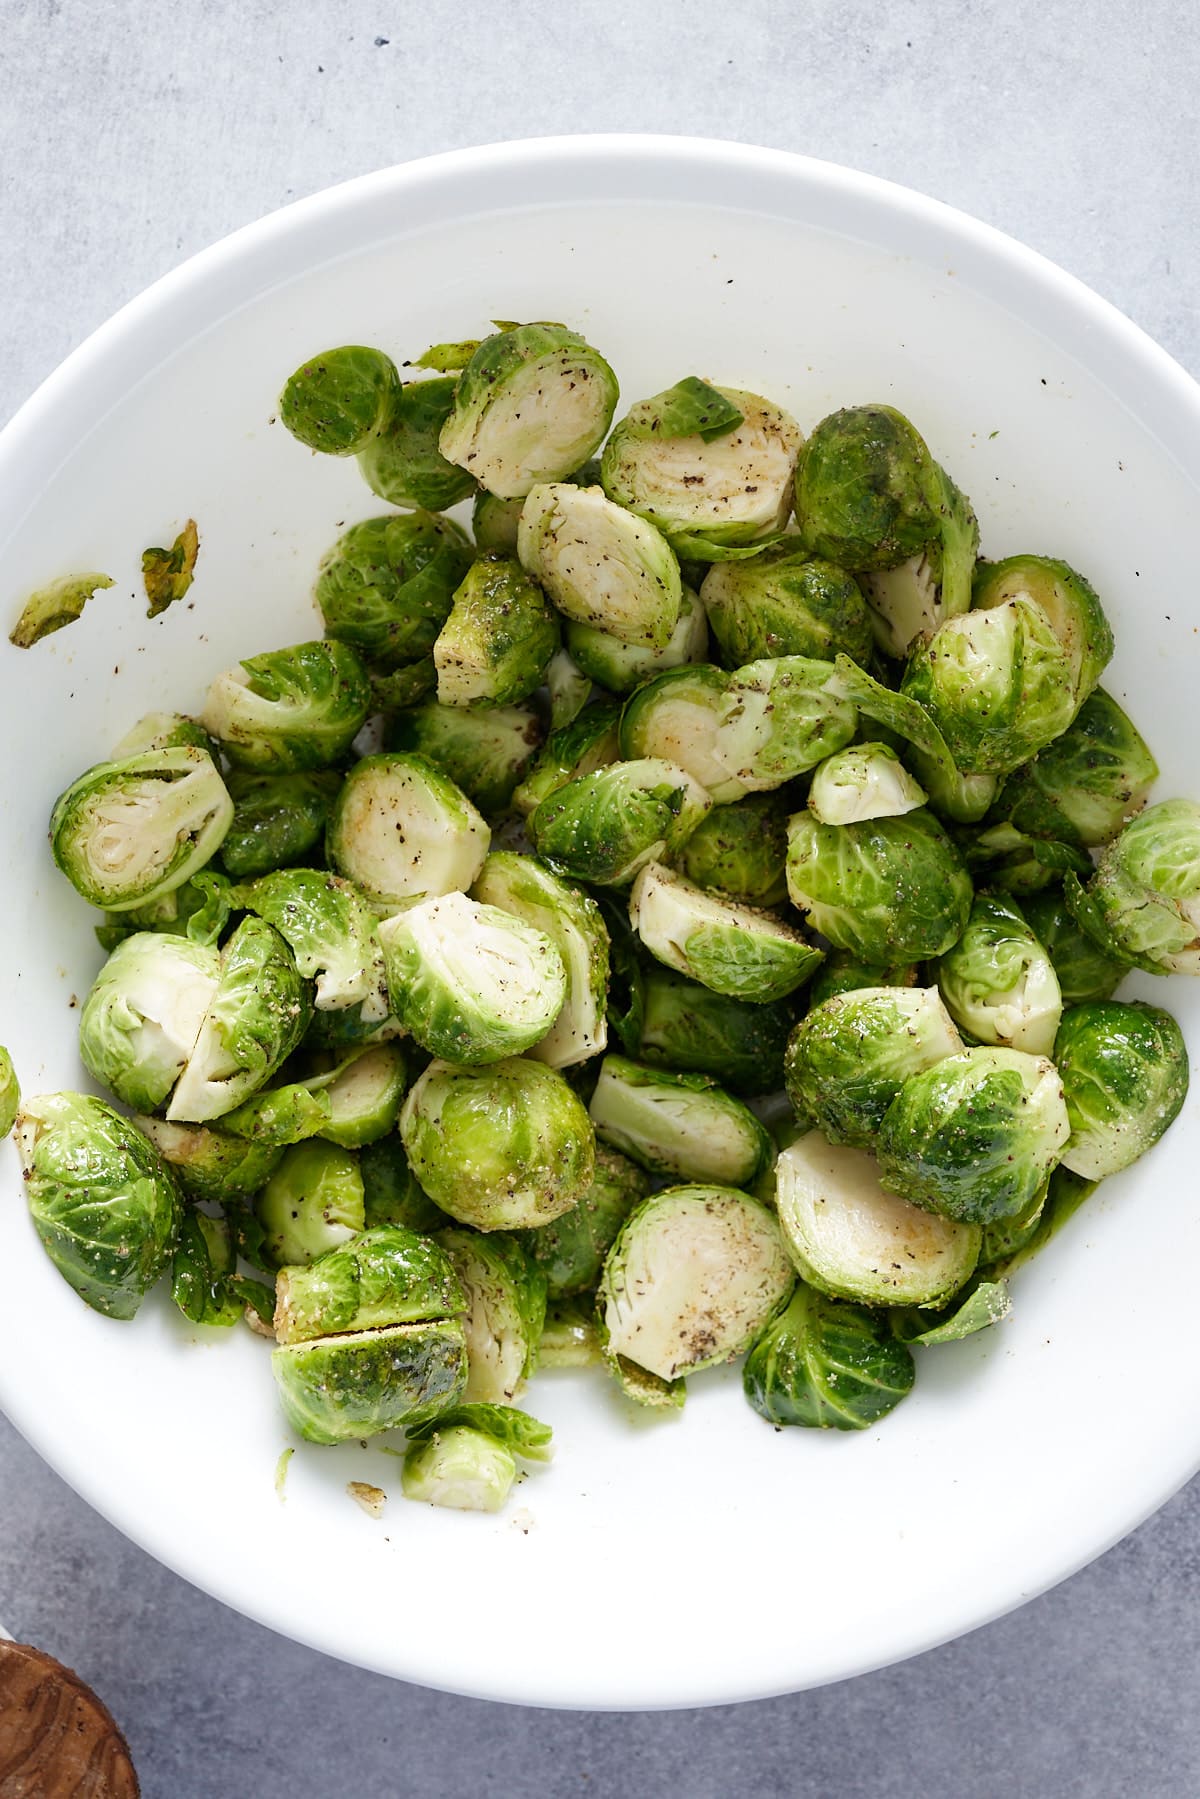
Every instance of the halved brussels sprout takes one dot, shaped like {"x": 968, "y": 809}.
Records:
{"x": 780, "y": 718}
{"x": 1124, "y": 1072}
{"x": 604, "y": 827}
{"x": 827, "y": 1365}
{"x": 574, "y": 925}
{"x": 622, "y": 667}
{"x": 254, "y": 1021}
{"x": 740, "y": 851}
{"x": 484, "y": 752}
{"x": 364, "y": 1097}
{"x": 731, "y": 948}
{"x": 1083, "y": 786}
{"x": 1085, "y": 972}
{"x": 457, "y": 1466}
{"x": 1070, "y": 604}
{"x": 391, "y": 1192}
{"x": 675, "y": 717}
{"x": 336, "y": 1389}
{"x": 501, "y": 633}
{"x": 127, "y": 833}
{"x": 847, "y": 1060}
{"x": 570, "y": 1250}
{"x": 401, "y": 830}
{"x": 571, "y": 751}
{"x": 694, "y": 1276}
{"x": 889, "y": 890}
{"x": 531, "y": 405}
{"x": 998, "y": 982}
{"x": 1143, "y": 902}
{"x": 277, "y": 820}
{"x": 209, "y": 1164}
{"x": 705, "y": 491}
{"x": 312, "y": 1203}
{"x": 162, "y": 731}
{"x": 140, "y": 1021}
{"x": 103, "y": 1202}
{"x": 867, "y": 780}
{"x": 330, "y": 930}
{"x": 470, "y": 982}
{"x": 503, "y": 1147}
{"x": 387, "y": 584}
{"x": 338, "y": 401}
{"x": 289, "y": 710}
{"x": 403, "y": 462}
{"x": 844, "y": 973}
{"x": 850, "y": 1237}
{"x": 975, "y": 1136}
{"x": 693, "y": 1030}
{"x": 785, "y": 602}
{"x": 505, "y": 1310}
{"x": 602, "y": 566}
{"x": 681, "y": 1124}
{"x": 381, "y": 1277}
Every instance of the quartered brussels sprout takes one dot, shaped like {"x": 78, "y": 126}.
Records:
{"x": 850, "y": 1237}
{"x": 870, "y": 497}
{"x": 289, "y": 710}
{"x": 1084, "y": 971}
{"x": 1143, "y": 902}
{"x": 162, "y": 731}
{"x": 340, "y": 400}
{"x": 731, "y": 948}
{"x": 998, "y": 982}
{"x": 975, "y": 1136}
{"x": 1124, "y": 1072}
{"x": 785, "y": 602}
{"x": 602, "y": 566}
{"x": 470, "y": 982}
{"x": 485, "y": 752}
{"x": 690, "y": 1028}
{"x": 1069, "y": 602}
{"x": 211, "y": 1164}
{"x": 1083, "y": 786}
{"x": 278, "y": 820}
{"x": 391, "y": 1192}
{"x": 139, "y": 1023}
{"x": 204, "y": 1282}
{"x": 501, "y": 633}
{"x": 505, "y": 1311}
{"x": 402, "y": 830}
{"x": 380, "y": 1277}
{"x": 682, "y": 1124}
{"x": 311, "y": 1203}
{"x": 571, "y": 751}
{"x": 254, "y": 1021}
{"x": 127, "y": 833}
{"x": 827, "y": 1365}
{"x": 675, "y": 717}
{"x": 340, "y": 1388}
{"x": 504, "y": 1147}
{"x": 867, "y": 780}
{"x": 330, "y": 930}
{"x": 573, "y": 923}
{"x": 387, "y": 584}
{"x": 694, "y": 1276}
{"x": 711, "y": 486}
{"x": 10, "y": 1093}
{"x": 458, "y": 1466}
{"x": 888, "y": 890}
{"x": 403, "y": 462}
{"x": 621, "y": 667}
{"x": 605, "y": 826}
{"x": 102, "y": 1200}
{"x": 740, "y": 851}
{"x": 570, "y": 1250}
{"x": 848, "y": 1058}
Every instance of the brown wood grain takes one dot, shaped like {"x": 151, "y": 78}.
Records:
{"x": 57, "y": 1740}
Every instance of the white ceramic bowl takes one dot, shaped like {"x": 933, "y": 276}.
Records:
{"x": 706, "y": 1558}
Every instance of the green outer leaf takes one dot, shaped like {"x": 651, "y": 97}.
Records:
{"x": 391, "y": 1192}
{"x": 280, "y": 1115}
{"x": 516, "y": 1430}
{"x": 601, "y": 828}
{"x": 984, "y": 1305}
{"x": 962, "y": 797}
{"x": 889, "y": 890}
{"x": 387, "y": 584}
{"x": 446, "y": 358}
{"x": 1124, "y": 1071}
{"x": 200, "y": 1288}
{"x": 694, "y": 409}
{"x": 57, "y": 604}
{"x": 689, "y": 1028}
{"x": 300, "y": 708}
{"x": 827, "y": 1364}
{"x": 208, "y": 1164}
{"x": 571, "y": 751}
{"x": 403, "y": 464}
{"x": 485, "y": 752}
{"x": 1085, "y": 972}
{"x": 167, "y": 574}
{"x": 848, "y": 1058}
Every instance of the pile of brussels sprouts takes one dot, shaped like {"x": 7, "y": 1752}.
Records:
{"x": 682, "y": 922}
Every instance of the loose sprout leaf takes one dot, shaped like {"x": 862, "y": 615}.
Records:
{"x": 167, "y": 574}
{"x": 199, "y": 1287}
{"x": 53, "y": 606}
{"x": 694, "y": 409}
{"x": 447, "y": 359}
{"x": 526, "y": 1436}
{"x": 983, "y": 1306}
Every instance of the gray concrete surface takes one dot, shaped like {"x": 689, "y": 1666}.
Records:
{"x": 132, "y": 134}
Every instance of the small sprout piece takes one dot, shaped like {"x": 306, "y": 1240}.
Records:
{"x": 693, "y": 1030}
{"x": 391, "y": 1194}
{"x": 386, "y": 585}
{"x": 1124, "y": 1072}
{"x": 385, "y": 1276}
{"x": 865, "y": 781}
{"x": 211, "y": 1165}
{"x": 10, "y": 1093}
{"x": 573, "y": 923}
{"x": 531, "y": 405}
{"x": 364, "y": 1097}
{"x": 1068, "y": 601}
{"x": 733, "y": 949}
{"x": 889, "y": 890}
{"x": 277, "y": 820}
{"x": 695, "y": 1275}
{"x": 785, "y": 602}
{"x": 340, "y": 400}
{"x": 371, "y": 1499}
{"x": 827, "y": 1365}
{"x": 403, "y": 463}
{"x": 485, "y": 752}
{"x": 201, "y": 1269}
{"x": 403, "y": 687}
{"x": 312, "y": 1203}
{"x": 401, "y": 830}
{"x": 500, "y": 634}
{"x": 571, "y": 751}
{"x": 456, "y": 1466}
{"x": 336, "y": 1389}
{"x": 998, "y": 982}
{"x": 850, "y": 1056}
{"x": 503, "y": 1147}
{"x": 602, "y": 566}
{"x": 329, "y": 928}
{"x": 675, "y": 717}
{"x": 1083, "y": 786}
{"x": 57, "y": 604}
{"x": 570, "y": 1338}
{"x": 705, "y": 493}
{"x": 280, "y": 1115}
{"x": 975, "y": 1309}
{"x": 504, "y": 1312}
{"x": 139, "y": 1023}
{"x": 606, "y": 826}
{"x": 199, "y": 911}
{"x": 470, "y": 982}
{"x": 680, "y": 1124}
{"x": 974, "y": 1137}
{"x": 851, "y": 1238}
{"x": 1143, "y": 902}
{"x": 740, "y": 851}
{"x": 167, "y": 574}
{"x": 621, "y": 667}
{"x": 526, "y": 1436}
{"x": 126, "y": 833}
{"x": 780, "y": 718}
{"x": 254, "y": 1021}
{"x": 102, "y": 1200}
{"x": 1085, "y": 972}
{"x": 289, "y": 710}
{"x": 494, "y": 523}
{"x": 570, "y": 1250}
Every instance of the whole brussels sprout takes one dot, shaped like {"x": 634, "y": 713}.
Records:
{"x": 867, "y": 780}
{"x": 587, "y": 743}
{"x": 338, "y": 401}
{"x": 570, "y": 1250}
{"x": 485, "y": 752}
{"x": 505, "y": 1310}
{"x": 827, "y": 1365}
{"x": 998, "y": 982}
{"x": 503, "y": 1147}
{"x": 401, "y": 830}
{"x": 740, "y": 851}
{"x": 1143, "y": 902}
{"x": 403, "y": 463}
{"x": 604, "y": 827}
{"x": 210, "y": 1164}
{"x": 889, "y": 890}
{"x": 387, "y": 584}
{"x": 458, "y": 1466}
{"x": 254, "y": 1021}
{"x": 338, "y": 1389}
{"x": 785, "y": 602}
{"x": 140, "y": 1021}
{"x": 682, "y": 1124}
{"x": 1069, "y": 602}
{"x": 380, "y": 1277}
{"x": 289, "y": 710}
{"x": 103, "y": 1202}
{"x": 1084, "y": 970}
{"x": 621, "y": 667}
{"x": 1124, "y": 1072}
{"x": 277, "y": 820}
{"x": 498, "y": 638}
{"x": 1083, "y": 786}
{"x": 602, "y": 566}
{"x": 312, "y": 1203}
{"x": 849, "y": 1057}
{"x": 779, "y": 719}
{"x": 733, "y": 949}
{"x": 693, "y": 1030}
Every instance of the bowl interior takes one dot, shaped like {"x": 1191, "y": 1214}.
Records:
{"x": 707, "y": 1557}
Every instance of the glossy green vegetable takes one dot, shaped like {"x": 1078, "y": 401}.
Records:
{"x": 780, "y": 718}
{"x": 467, "y": 1469}
{"x": 312, "y": 1203}
{"x": 500, "y": 634}
{"x": 380, "y": 1277}
{"x": 289, "y": 710}
{"x": 570, "y": 1250}
{"x": 10, "y": 1093}
{"x": 391, "y": 1191}
{"x": 1083, "y": 786}
{"x": 254, "y": 1020}
{"x": 691, "y": 1029}
{"x": 1143, "y": 902}
{"x": 587, "y": 743}
{"x": 401, "y": 830}
{"x": 1067, "y": 600}
{"x": 740, "y": 851}
{"x": 827, "y": 1365}
{"x": 1124, "y": 1071}
{"x": 331, "y": 932}
{"x": 340, "y": 400}
{"x": 621, "y": 667}
{"x": 506, "y": 1307}
{"x": 485, "y": 753}
{"x": 682, "y": 1124}
{"x": 403, "y": 463}
{"x": 387, "y": 584}
{"x": 785, "y": 602}
{"x": 848, "y": 1058}
{"x": 277, "y": 820}
{"x": 998, "y": 981}
{"x": 337, "y": 1389}
{"x": 602, "y": 566}
{"x": 602, "y": 828}
{"x": 865, "y": 781}
{"x": 210, "y": 1164}
{"x": 889, "y": 890}
{"x": 139, "y": 1023}
{"x": 733, "y": 949}
{"x": 1084, "y": 970}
